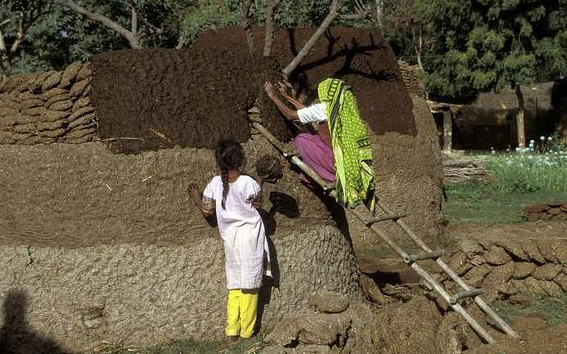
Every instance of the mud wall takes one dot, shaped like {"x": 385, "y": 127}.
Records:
{"x": 407, "y": 157}
{"x": 360, "y": 57}
{"x": 505, "y": 267}
{"x": 186, "y": 98}
{"x": 99, "y": 246}
{"x": 47, "y": 107}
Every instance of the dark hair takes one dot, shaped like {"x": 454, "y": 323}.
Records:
{"x": 230, "y": 156}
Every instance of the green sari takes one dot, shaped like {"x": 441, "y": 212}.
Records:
{"x": 351, "y": 148}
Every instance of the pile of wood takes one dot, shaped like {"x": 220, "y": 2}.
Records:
{"x": 48, "y": 107}
{"x": 462, "y": 171}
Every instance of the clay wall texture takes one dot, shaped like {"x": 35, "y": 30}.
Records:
{"x": 109, "y": 247}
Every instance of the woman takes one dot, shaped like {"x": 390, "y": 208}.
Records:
{"x": 340, "y": 152}
{"x": 315, "y": 149}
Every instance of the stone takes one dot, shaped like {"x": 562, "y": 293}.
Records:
{"x": 80, "y": 112}
{"x": 533, "y": 285}
{"x": 54, "y": 92}
{"x": 80, "y": 103}
{"x": 507, "y": 289}
{"x": 477, "y": 272}
{"x": 559, "y": 250}
{"x": 552, "y": 289}
{"x": 61, "y": 105}
{"x": 52, "y": 116}
{"x": 285, "y": 332}
{"x": 544, "y": 246}
{"x": 470, "y": 247}
{"x": 478, "y": 260}
{"x": 523, "y": 270}
{"x": 499, "y": 275}
{"x": 69, "y": 74}
{"x": 328, "y": 302}
{"x": 497, "y": 256}
{"x": 62, "y": 97}
{"x": 372, "y": 291}
{"x": 457, "y": 260}
{"x": 513, "y": 248}
{"x": 84, "y": 120}
{"x": 547, "y": 271}
{"x": 34, "y": 102}
{"x": 35, "y": 111}
{"x": 78, "y": 87}
{"x": 531, "y": 249}
{"x": 85, "y": 72}
{"x": 51, "y": 81}
{"x": 561, "y": 280}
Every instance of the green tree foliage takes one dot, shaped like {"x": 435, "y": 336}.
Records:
{"x": 211, "y": 14}
{"x": 480, "y": 45}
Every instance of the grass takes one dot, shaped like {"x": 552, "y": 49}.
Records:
{"x": 479, "y": 203}
{"x": 249, "y": 346}
{"x": 536, "y": 174}
{"x": 552, "y": 309}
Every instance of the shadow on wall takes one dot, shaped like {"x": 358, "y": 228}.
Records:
{"x": 16, "y": 337}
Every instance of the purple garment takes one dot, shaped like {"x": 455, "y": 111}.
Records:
{"x": 317, "y": 155}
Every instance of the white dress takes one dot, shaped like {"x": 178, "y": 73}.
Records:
{"x": 242, "y": 231}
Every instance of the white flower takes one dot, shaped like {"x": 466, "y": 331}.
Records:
{"x": 542, "y": 138}
{"x": 532, "y": 142}
{"x": 549, "y": 139}
{"x": 518, "y": 149}
{"x": 551, "y": 151}
{"x": 493, "y": 152}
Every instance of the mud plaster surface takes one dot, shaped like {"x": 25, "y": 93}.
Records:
{"x": 77, "y": 196}
{"x": 361, "y": 57}
{"x": 409, "y": 179}
{"x": 188, "y": 98}
{"x": 148, "y": 294}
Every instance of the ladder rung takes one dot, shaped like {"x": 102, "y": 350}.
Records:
{"x": 411, "y": 258}
{"x": 469, "y": 293}
{"x": 373, "y": 220}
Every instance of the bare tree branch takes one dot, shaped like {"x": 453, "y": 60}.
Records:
{"x": 134, "y": 20}
{"x": 247, "y": 22}
{"x": 105, "y": 21}
{"x": 268, "y": 41}
{"x": 141, "y": 17}
{"x": 311, "y": 42}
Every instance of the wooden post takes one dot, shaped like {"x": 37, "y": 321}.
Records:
{"x": 447, "y": 130}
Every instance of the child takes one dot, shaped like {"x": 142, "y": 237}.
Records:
{"x": 234, "y": 197}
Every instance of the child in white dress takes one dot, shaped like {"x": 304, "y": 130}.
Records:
{"x": 234, "y": 198}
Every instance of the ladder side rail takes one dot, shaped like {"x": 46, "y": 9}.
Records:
{"x": 456, "y": 278}
{"x": 430, "y": 280}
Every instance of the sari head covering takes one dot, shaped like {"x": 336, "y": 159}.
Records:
{"x": 351, "y": 147}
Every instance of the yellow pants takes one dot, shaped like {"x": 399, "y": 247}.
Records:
{"x": 241, "y": 309}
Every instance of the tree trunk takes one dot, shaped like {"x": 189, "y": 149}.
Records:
{"x": 247, "y": 21}
{"x": 520, "y": 125}
{"x": 311, "y": 42}
{"x": 268, "y": 41}
{"x": 380, "y": 13}
{"x": 133, "y": 39}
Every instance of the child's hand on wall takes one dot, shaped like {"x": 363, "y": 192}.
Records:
{"x": 194, "y": 192}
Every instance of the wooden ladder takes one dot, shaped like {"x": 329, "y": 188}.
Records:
{"x": 412, "y": 260}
